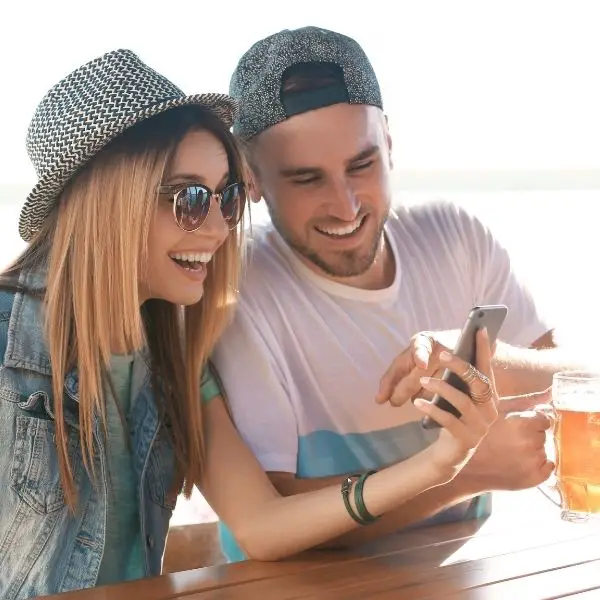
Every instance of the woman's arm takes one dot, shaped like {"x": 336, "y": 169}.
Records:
{"x": 268, "y": 526}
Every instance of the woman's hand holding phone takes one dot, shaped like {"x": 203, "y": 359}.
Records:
{"x": 460, "y": 436}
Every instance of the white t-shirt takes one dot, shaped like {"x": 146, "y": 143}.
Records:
{"x": 302, "y": 360}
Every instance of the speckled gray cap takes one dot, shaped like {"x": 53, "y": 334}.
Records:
{"x": 256, "y": 81}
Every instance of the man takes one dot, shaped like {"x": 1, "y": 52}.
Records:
{"x": 340, "y": 283}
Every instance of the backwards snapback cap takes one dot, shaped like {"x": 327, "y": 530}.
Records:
{"x": 257, "y": 81}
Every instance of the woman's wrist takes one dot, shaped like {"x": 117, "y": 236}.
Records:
{"x": 436, "y": 473}
{"x": 401, "y": 482}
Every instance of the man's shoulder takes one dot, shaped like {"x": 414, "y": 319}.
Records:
{"x": 436, "y": 219}
{"x": 431, "y": 213}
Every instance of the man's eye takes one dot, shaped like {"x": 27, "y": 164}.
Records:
{"x": 305, "y": 180}
{"x": 362, "y": 166}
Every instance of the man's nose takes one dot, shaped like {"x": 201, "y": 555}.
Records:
{"x": 344, "y": 203}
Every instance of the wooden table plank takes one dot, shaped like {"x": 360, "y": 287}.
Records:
{"x": 549, "y": 585}
{"x": 385, "y": 575}
{"x": 592, "y": 594}
{"x": 458, "y": 578}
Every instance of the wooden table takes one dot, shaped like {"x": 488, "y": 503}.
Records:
{"x": 523, "y": 552}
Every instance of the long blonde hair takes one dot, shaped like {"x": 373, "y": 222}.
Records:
{"x": 93, "y": 249}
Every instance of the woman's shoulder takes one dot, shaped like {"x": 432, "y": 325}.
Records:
{"x": 20, "y": 321}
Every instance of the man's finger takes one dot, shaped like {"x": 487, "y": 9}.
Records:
{"x": 409, "y": 388}
{"x": 422, "y": 347}
{"x": 524, "y": 402}
{"x": 543, "y": 421}
{"x": 401, "y": 367}
{"x": 533, "y": 419}
{"x": 417, "y": 355}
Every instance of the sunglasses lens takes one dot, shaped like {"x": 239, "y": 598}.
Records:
{"x": 232, "y": 203}
{"x": 191, "y": 207}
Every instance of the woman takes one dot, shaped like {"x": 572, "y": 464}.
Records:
{"x": 106, "y": 323}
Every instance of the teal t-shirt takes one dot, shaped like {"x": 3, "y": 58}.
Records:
{"x": 209, "y": 387}
{"x": 123, "y": 558}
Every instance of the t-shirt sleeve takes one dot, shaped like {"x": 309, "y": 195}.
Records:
{"x": 496, "y": 281}
{"x": 253, "y": 378}
{"x": 209, "y": 387}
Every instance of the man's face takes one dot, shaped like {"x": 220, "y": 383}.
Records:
{"x": 325, "y": 176}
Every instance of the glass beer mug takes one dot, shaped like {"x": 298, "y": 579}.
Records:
{"x": 576, "y": 403}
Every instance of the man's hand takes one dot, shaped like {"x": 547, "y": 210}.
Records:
{"x": 512, "y": 455}
{"x": 400, "y": 383}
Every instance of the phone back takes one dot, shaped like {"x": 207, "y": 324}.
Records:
{"x": 491, "y": 317}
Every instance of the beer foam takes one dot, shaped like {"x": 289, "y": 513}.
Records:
{"x": 578, "y": 403}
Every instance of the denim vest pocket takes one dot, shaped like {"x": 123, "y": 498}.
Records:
{"x": 35, "y": 475}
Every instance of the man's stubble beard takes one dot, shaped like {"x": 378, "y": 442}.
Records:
{"x": 350, "y": 263}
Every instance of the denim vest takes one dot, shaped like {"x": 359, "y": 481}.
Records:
{"x": 44, "y": 547}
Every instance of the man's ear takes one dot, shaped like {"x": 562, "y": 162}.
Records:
{"x": 254, "y": 190}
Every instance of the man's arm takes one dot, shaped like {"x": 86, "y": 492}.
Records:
{"x": 527, "y": 370}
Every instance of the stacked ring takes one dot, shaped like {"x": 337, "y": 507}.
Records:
{"x": 469, "y": 376}
{"x": 483, "y": 397}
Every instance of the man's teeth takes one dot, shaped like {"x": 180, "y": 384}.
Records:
{"x": 346, "y": 230}
{"x": 203, "y": 257}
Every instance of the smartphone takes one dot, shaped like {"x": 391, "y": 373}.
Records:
{"x": 492, "y": 317}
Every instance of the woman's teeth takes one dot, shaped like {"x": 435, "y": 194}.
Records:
{"x": 192, "y": 261}
{"x": 345, "y": 230}
{"x": 202, "y": 257}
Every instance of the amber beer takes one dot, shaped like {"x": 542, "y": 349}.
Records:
{"x": 576, "y": 400}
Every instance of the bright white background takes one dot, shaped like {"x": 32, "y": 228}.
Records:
{"x": 468, "y": 84}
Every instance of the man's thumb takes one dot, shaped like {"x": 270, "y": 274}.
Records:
{"x": 525, "y": 402}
